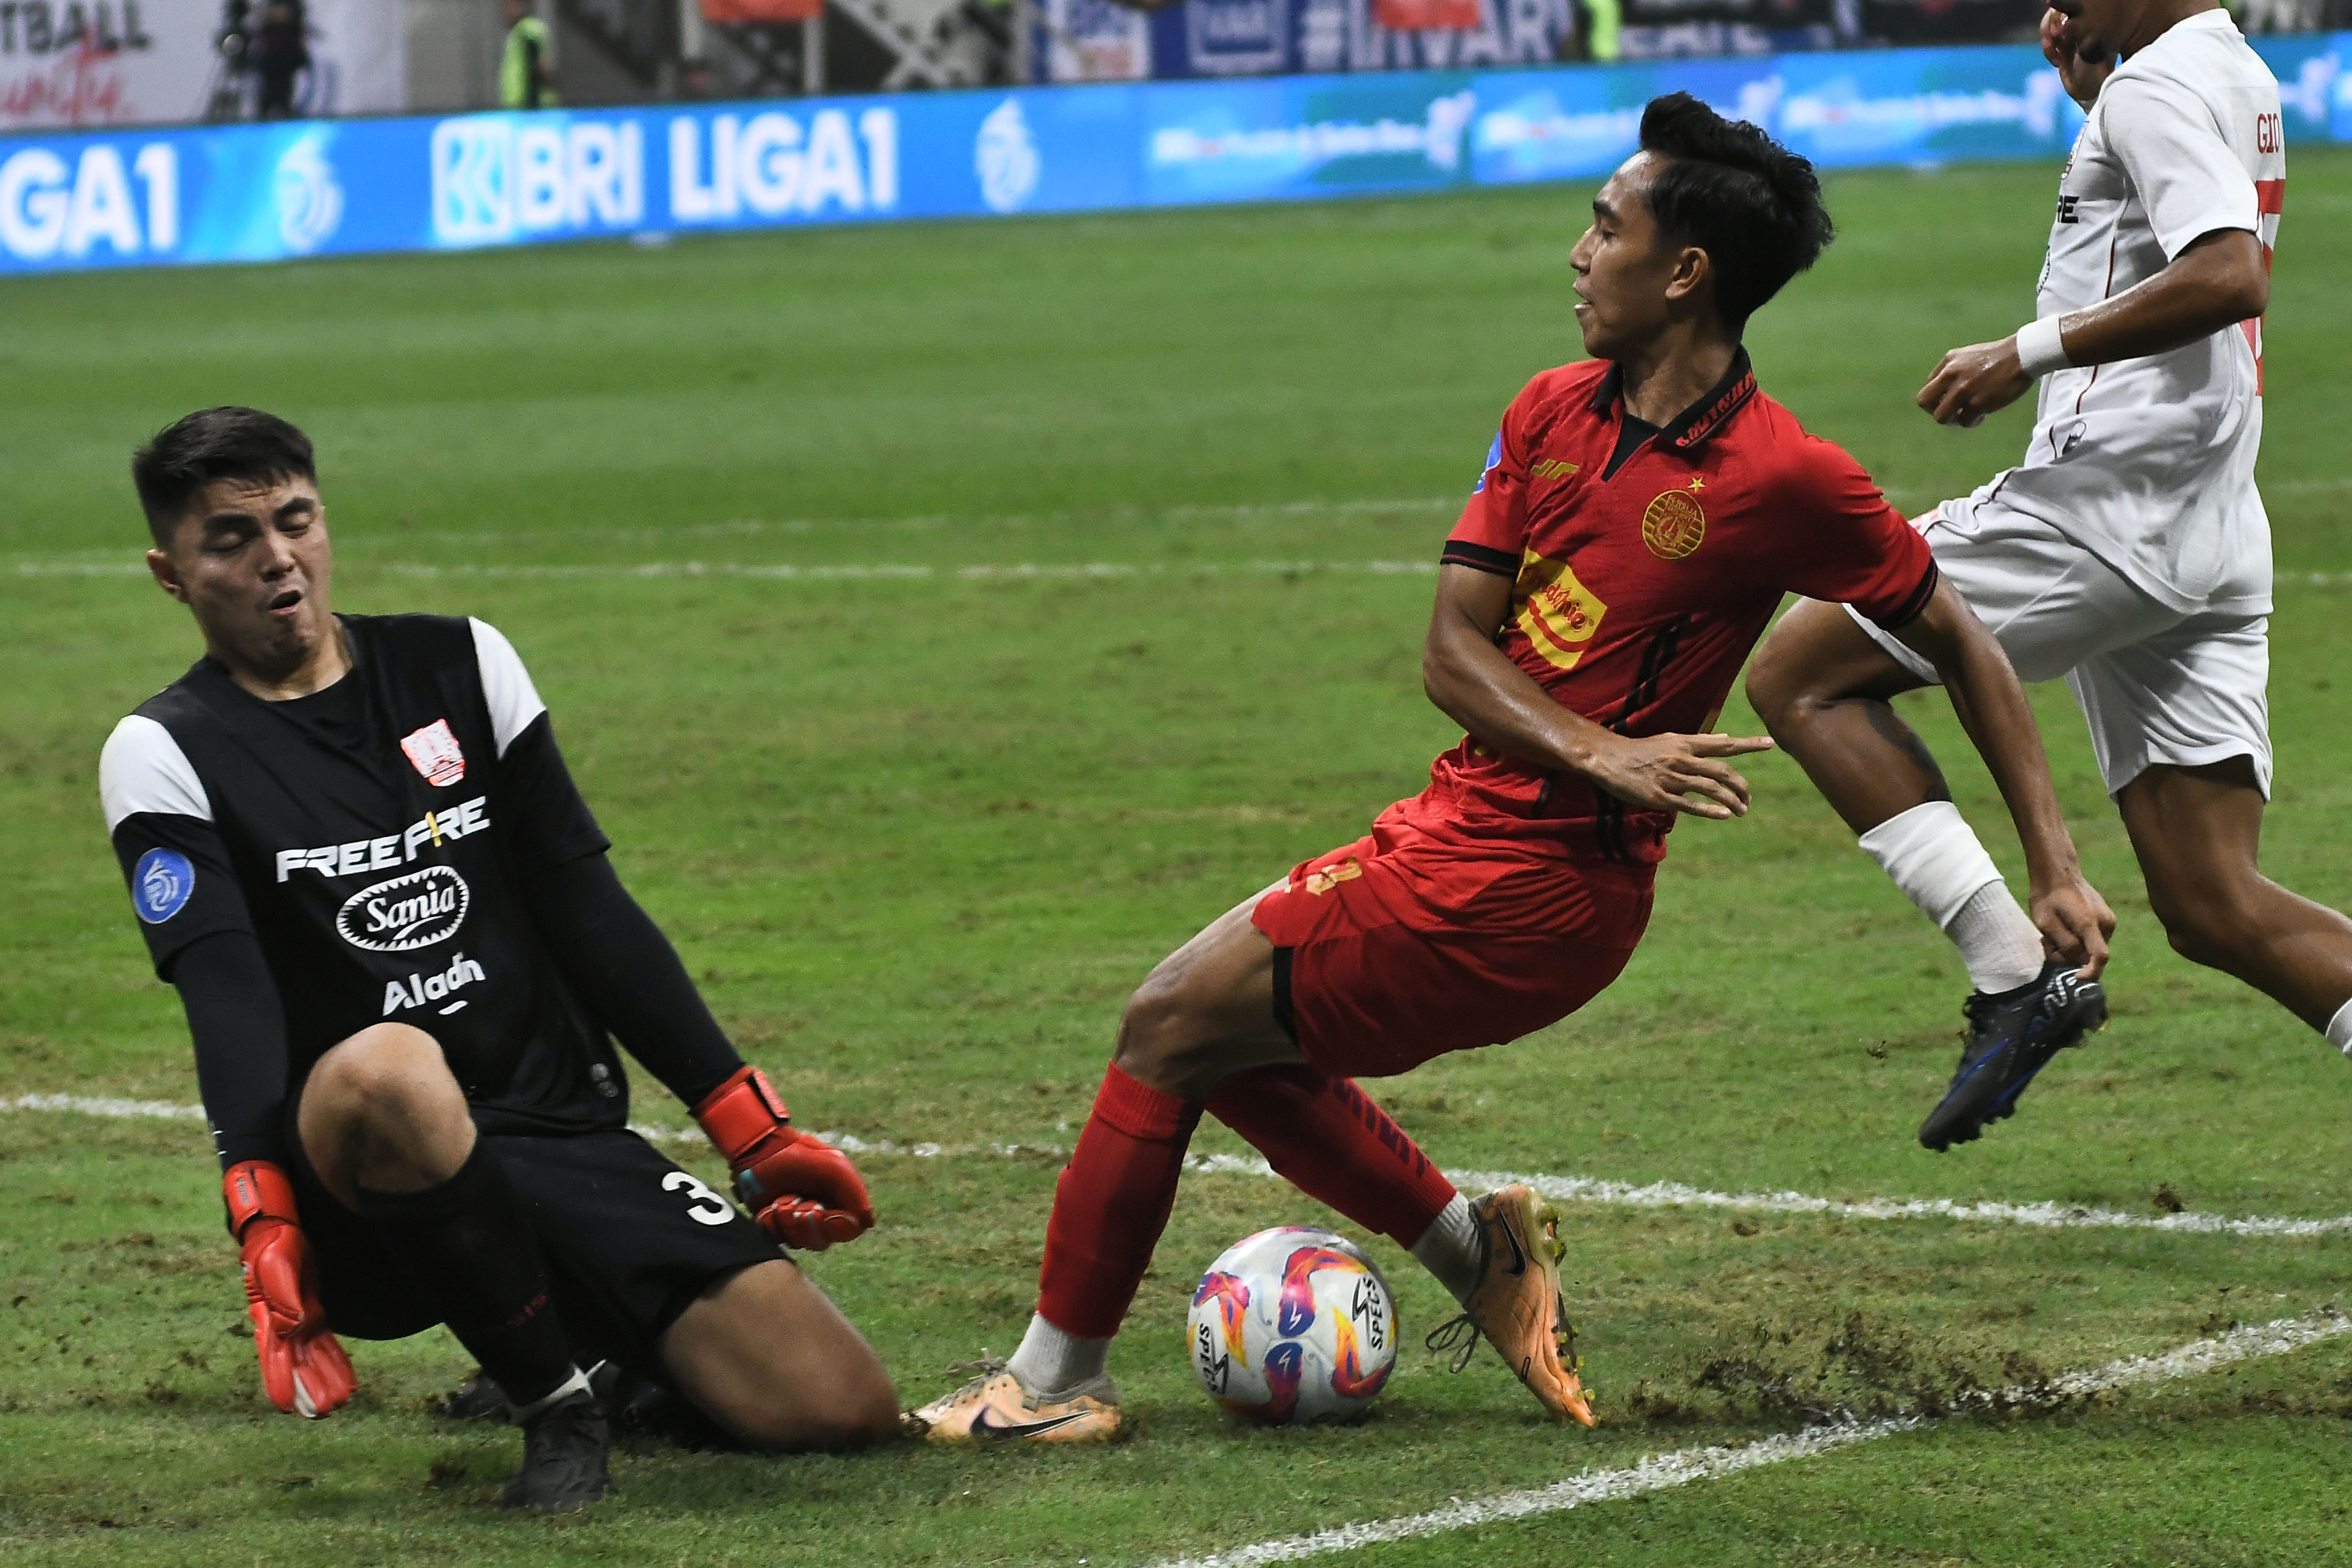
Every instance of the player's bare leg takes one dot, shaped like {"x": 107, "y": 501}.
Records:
{"x": 2197, "y": 832}
{"x": 1825, "y": 690}
{"x": 764, "y": 1354}
{"x": 384, "y": 1124}
{"x": 1201, "y": 1032}
{"x": 1826, "y": 693}
{"x": 1206, "y": 1012}
{"x": 381, "y": 1111}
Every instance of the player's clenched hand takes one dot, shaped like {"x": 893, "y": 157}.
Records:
{"x": 1676, "y": 772}
{"x": 1974, "y": 381}
{"x": 2080, "y": 74}
{"x": 803, "y": 1192}
{"x": 2076, "y": 923}
{"x": 303, "y": 1369}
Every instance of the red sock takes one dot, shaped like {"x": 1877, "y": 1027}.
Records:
{"x": 1326, "y": 1137}
{"x": 1111, "y": 1205}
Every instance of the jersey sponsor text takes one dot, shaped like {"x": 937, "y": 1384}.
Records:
{"x": 406, "y": 912}
{"x": 418, "y": 989}
{"x": 364, "y": 855}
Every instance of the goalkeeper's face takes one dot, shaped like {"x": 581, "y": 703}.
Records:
{"x": 1628, "y": 285}
{"x": 250, "y": 559}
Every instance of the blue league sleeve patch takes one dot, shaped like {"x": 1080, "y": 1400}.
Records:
{"x": 161, "y": 886}
{"x": 1494, "y": 455}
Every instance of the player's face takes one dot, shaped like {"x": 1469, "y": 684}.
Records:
{"x": 251, "y": 559}
{"x": 1623, "y": 274}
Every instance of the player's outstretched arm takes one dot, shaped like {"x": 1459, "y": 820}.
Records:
{"x": 2075, "y": 921}
{"x": 1474, "y": 682}
{"x": 799, "y": 1191}
{"x": 803, "y": 1192}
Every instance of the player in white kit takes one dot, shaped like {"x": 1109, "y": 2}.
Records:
{"x": 2128, "y": 552}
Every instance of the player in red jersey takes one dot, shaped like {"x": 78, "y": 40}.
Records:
{"x": 1639, "y": 519}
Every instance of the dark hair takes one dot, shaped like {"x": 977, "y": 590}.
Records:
{"x": 213, "y": 444}
{"x": 1749, "y": 202}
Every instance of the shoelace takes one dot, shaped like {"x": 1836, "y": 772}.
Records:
{"x": 1459, "y": 1330}
{"x": 1462, "y": 1332}
{"x": 911, "y": 1426}
{"x": 986, "y": 1367}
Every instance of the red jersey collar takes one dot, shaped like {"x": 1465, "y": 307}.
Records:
{"x": 1692, "y": 428}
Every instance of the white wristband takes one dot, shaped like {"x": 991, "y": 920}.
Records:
{"x": 2039, "y": 350}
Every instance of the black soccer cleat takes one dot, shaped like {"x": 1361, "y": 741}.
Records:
{"x": 2012, "y": 1037}
{"x": 562, "y": 1457}
{"x": 476, "y": 1399}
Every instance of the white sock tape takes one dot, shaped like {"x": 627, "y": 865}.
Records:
{"x": 2040, "y": 348}
{"x": 2339, "y": 1030}
{"x": 1932, "y": 855}
{"x": 575, "y": 1384}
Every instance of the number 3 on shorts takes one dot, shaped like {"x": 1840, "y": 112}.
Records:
{"x": 719, "y": 1212}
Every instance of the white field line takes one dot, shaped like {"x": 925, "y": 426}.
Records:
{"x": 978, "y": 571}
{"x": 1560, "y": 1189}
{"x": 1245, "y": 511}
{"x": 106, "y": 1105}
{"x": 1675, "y": 1195}
{"x": 1662, "y": 1472}
{"x": 739, "y": 528}
{"x": 887, "y": 571}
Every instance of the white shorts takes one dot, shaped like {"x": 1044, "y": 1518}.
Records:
{"x": 2157, "y": 685}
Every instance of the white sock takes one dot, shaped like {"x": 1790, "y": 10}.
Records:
{"x": 2001, "y": 948}
{"x": 1932, "y": 855}
{"x": 575, "y": 1384}
{"x": 2339, "y": 1030}
{"x": 1052, "y": 1362}
{"x": 1449, "y": 1249}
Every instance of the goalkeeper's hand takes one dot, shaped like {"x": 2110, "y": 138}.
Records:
{"x": 303, "y": 1369}
{"x": 804, "y": 1193}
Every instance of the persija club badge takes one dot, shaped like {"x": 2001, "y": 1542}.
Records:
{"x": 435, "y": 754}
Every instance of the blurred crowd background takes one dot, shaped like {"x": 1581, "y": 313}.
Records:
{"x": 73, "y": 62}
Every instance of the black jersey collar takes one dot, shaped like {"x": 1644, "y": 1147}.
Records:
{"x": 1692, "y": 428}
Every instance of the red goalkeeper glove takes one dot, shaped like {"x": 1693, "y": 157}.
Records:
{"x": 804, "y": 1193}
{"x": 303, "y": 1370}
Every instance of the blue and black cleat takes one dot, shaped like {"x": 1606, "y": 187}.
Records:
{"x": 2012, "y": 1037}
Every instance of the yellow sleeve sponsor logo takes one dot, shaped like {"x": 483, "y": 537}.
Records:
{"x": 1319, "y": 882}
{"x": 1551, "y": 468}
{"x": 1673, "y": 524}
{"x": 1558, "y": 613}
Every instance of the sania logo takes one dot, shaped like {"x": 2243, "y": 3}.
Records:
{"x": 407, "y": 911}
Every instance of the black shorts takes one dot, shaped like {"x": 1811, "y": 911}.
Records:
{"x": 629, "y": 1241}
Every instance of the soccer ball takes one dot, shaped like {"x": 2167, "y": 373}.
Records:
{"x": 1293, "y": 1325}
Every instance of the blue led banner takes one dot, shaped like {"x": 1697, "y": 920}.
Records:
{"x": 259, "y": 192}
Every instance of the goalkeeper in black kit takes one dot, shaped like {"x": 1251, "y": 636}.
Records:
{"x": 353, "y": 847}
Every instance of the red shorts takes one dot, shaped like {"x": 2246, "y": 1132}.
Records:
{"x": 1427, "y": 937}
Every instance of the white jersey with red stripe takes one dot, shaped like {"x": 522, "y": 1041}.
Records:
{"x": 2149, "y": 464}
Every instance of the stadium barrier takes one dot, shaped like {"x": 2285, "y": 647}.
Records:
{"x": 266, "y": 193}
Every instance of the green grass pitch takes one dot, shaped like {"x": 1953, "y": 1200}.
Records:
{"x": 919, "y": 830}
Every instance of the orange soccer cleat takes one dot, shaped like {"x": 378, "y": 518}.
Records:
{"x": 1516, "y": 1306}
{"x": 995, "y": 1408}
